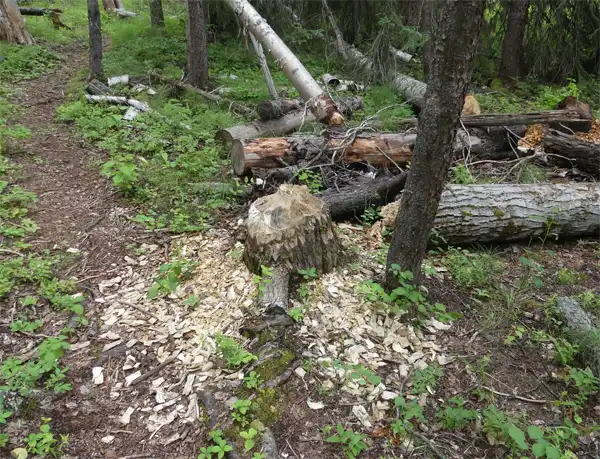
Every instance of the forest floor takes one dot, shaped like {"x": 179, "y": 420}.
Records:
{"x": 118, "y": 297}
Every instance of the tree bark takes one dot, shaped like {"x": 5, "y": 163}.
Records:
{"x": 512, "y": 45}
{"x": 284, "y": 125}
{"x": 352, "y": 200}
{"x": 453, "y": 47}
{"x": 319, "y": 102}
{"x": 576, "y": 120}
{"x": 287, "y": 231}
{"x": 276, "y": 108}
{"x": 109, "y": 5}
{"x": 197, "y": 45}
{"x": 575, "y": 152}
{"x": 12, "y": 27}
{"x": 507, "y": 213}
{"x": 262, "y": 61}
{"x": 377, "y": 150}
{"x": 157, "y": 16}
{"x": 95, "y": 32}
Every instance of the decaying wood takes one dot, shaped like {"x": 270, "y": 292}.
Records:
{"x": 319, "y": 102}
{"x": 352, "y": 200}
{"x": 283, "y": 125}
{"x": 118, "y": 100}
{"x": 12, "y": 27}
{"x": 572, "y": 151}
{"x": 239, "y": 108}
{"x": 276, "y": 108}
{"x": 575, "y": 118}
{"x": 378, "y": 150}
{"x": 97, "y": 88}
{"x": 582, "y": 331}
{"x": 287, "y": 231}
{"x": 506, "y": 213}
{"x": 584, "y": 110}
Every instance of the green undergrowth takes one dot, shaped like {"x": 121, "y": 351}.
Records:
{"x": 31, "y": 288}
{"x": 25, "y": 62}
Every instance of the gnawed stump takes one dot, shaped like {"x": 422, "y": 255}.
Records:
{"x": 287, "y": 231}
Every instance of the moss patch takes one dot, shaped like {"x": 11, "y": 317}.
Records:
{"x": 268, "y": 406}
{"x": 276, "y": 365}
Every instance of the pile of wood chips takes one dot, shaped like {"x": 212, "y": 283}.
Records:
{"x": 594, "y": 134}
{"x": 535, "y": 133}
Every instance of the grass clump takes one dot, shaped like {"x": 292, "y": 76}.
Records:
{"x": 472, "y": 269}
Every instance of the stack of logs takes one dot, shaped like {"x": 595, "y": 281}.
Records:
{"x": 485, "y": 137}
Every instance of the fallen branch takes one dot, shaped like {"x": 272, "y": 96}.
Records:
{"x": 518, "y": 397}
{"x": 118, "y": 100}
{"x": 155, "y": 370}
{"x": 585, "y": 155}
{"x": 239, "y": 108}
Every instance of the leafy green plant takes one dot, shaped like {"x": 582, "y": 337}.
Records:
{"x": 536, "y": 271}
{"x": 462, "y": 175}
{"x": 219, "y": 449}
{"x": 296, "y": 313}
{"x": 259, "y": 456}
{"x": 172, "y": 274}
{"x": 352, "y": 443}
{"x": 308, "y": 274}
{"x": 371, "y": 215}
{"x": 233, "y": 354}
{"x": 253, "y": 380}
{"x": 455, "y": 415}
{"x": 566, "y": 276}
{"x": 123, "y": 174}
{"x": 409, "y": 411}
{"x": 359, "y": 373}
{"x": 311, "y": 179}
{"x": 263, "y": 279}
{"x": 25, "y": 62}
{"x": 25, "y": 326}
{"x": 405, "y": 299}
{"x": 501, "y": 429}
{"x": 541, "y": 447}
{"x": 425, "y": 380}
{"x": 249, "y": 437}
{"x": 240, "y": 410}
{"x": 44, "y": 444}
{"x": 192, "y": 301}
{"x": 471, "y": 269}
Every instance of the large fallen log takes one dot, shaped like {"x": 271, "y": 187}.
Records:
{"x": 276, "y": 108}
{"x": 319, "y": 102}
{"x": 267, "y": 153}
{"x": 572, "y": 151}
{"x": 575, "y": 118}
{"x": 280, "y": 126}
{"x": 352, "y": 200}
{"x": 381, "y": 149}
{"x": 287, "y": 231}
{"x": 506, "y": 213}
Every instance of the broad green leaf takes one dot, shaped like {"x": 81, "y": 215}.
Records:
{"x": 535, "y": 433}
{"x": 518, "y": 436}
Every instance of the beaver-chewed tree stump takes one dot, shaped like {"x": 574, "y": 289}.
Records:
{"x": 287, "y": 231}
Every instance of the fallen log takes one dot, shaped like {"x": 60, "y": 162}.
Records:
{"x": 119, "y": 100}
{"x": 281, "y": 126}
{"x": 380, "y": 149}
{"x": 287, "y": 231}
{"x": 267, "y": 153}
{"x": 575, "y": 118}
{"x": 276, "y": 108}
{"x": 319, "y": 102}
{"x": 506, "y": 213}
{"x": 352, "y": 200}
{"x": 97, "y": 88}
{"x": 38, "y": 11}
{"x": 239, "y": 108}
{"x": 573, "y": 151}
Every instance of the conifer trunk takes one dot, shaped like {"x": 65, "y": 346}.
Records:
{"x": 512, "y": 46}
{"x": 157, "y": 17}
{"x": 197, "y": 45}
{"x": 12, "y": 27}
{"x": 95, "y": 32}
{"x": 454, "y": 37}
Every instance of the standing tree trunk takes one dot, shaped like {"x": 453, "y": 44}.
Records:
{"x": 197, "y": 45}
{"x": 426, "y": 24}
{"x": 95, "y": 38}
{"x": 157, "y": 17}
{"x": 12, "y": 27}
{"x": 512, "y": 46}
{"x": 456, "y": 28}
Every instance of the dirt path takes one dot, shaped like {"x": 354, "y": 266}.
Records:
{"x": 78, "y": 209}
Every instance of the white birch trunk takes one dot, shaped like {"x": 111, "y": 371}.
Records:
{"x": 262, "y": 60}
{"x": 310, "y": 91}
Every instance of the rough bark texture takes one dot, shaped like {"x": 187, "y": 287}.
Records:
{"x": 320, "y": 103}
{"x": 109, "y": 5}
{"x": 97, "y": 88}
{"x": 352, "y": 200}
{"x": 12, "y": 27}
{"x": 506, "y": 213}
{"x": 283, "y": 125}
{"x": 197, "y": 45}
{"x": 577, "y": 119}
{"x": 581, "y": 331}
{"x": 287, "y": 231}
{"x": 512, "y": 45}
{"x": 157, "y": 16}
{"x": 95, "y": 32}
{"x": 577, "y": 152}
{"x": 377, "y": 150}
{"x": 453, "y": 41}
{"x": 271, "y": 109}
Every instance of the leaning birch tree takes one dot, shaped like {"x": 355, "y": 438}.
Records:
{"x": 454, "y": 35}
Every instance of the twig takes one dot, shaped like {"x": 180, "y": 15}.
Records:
{"x": 390, "y": 159}
{"x": 140, "y": 309}
{"x": 155, "y": 370}
{"x": 429, "y": 443}
{"x": 13, "y": 252}
{"x": 518, "y": 397}
{"x": 137, "y": 456}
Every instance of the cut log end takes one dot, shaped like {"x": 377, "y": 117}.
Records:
{"x": 237, "y": 153}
